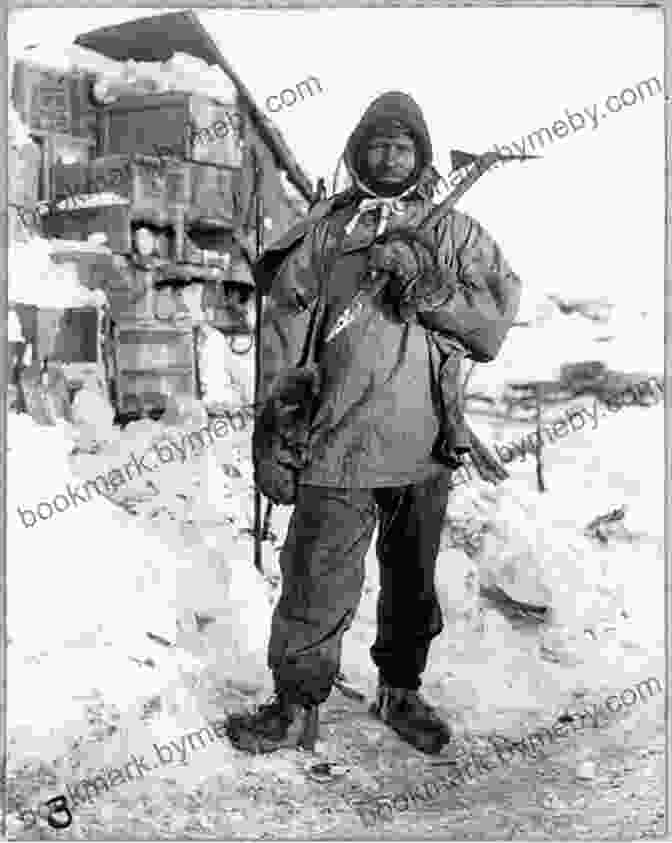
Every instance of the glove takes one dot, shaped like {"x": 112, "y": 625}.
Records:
{"x": 415, "y": 281}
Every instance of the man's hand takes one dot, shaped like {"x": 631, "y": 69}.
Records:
{"x": 414, "y": 278}
{"x": 396, "y": 257}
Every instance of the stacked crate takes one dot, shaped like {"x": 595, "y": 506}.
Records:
{"x": 152, "y": 362}
{"x": 174, "y": 185}
{"x": 167, "y": 184}
{"x": 178, "y": 171}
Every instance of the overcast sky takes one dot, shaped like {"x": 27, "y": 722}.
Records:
{"x": 587, "y": 219}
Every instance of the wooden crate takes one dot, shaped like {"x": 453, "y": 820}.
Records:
{"x": 66, "y": 179}
{"x": 212, "y": 196}
{"x": 67, "y": 335}
{"x": 79, "y": 223}
{"x": 51, "y": 100}
{"x": 158, "y": 190}
{"x": 132, "y": 298}
{"x": 143, "y": 123}
{"x": 151, "y": 363}
{"x": 162, "y": 193}
{"x": 40, "y": 327}
{"x": 148, "y": 391}
{"x": 78, "y": 338}
{"x": 153, "y": 347}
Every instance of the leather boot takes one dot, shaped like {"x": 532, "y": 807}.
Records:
{"x": 413, "y": 719}
{"x": 275, "y": 725}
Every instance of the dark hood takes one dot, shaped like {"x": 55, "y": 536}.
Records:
{"x": 393, "y": 105}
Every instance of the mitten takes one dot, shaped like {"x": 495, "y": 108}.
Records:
{"x": 280, "y": 442}
{"x": 415, "y": 281}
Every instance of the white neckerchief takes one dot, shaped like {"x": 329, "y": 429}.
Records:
{"x": 388, "y": 205}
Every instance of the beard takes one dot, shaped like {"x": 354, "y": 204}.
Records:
{"x": 384, "y": 187}
{"x": 373, "y": 177}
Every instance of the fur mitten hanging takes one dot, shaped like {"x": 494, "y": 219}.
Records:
{"x": 281, "y": 439}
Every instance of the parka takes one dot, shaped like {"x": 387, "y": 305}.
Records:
{"x": 377, "y": 420}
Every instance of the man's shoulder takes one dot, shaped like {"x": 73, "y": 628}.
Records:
{"x": 452, "y": 216}
{"x": 323, "y": 209}
{"x": 328, "y": 208}
{"x": 450, "y": 222}
{"x": 265, "y": 268}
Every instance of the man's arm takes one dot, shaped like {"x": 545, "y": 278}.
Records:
{"x": 487, "y": 298}
{"x": 287, "y": 311}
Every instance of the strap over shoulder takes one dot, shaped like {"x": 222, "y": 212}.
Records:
{"x": 268, "y": 264}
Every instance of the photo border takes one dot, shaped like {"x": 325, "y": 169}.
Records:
{"x": 11, "y": 7}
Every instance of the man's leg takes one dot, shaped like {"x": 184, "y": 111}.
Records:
{"x": 322, "y": 563}
{"x": 409, "y": 614}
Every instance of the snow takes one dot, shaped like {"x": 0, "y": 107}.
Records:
{"x": 226, "y": 377}
{"x": 35, "y": 279}
{"x": 106, "y": 578}
{"x": 537, "y": 351}
{"x": 186, "y": 551}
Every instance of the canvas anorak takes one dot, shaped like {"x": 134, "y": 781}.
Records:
{"x": 377, "y": 419}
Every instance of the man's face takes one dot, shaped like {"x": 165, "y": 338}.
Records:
{"x": 390, "y": 158}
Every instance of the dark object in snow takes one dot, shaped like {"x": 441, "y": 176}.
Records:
{"x": 597, "y": 310}
{"x": 413, "y": 719}
{"x": 583, "y": 377}
{"x": 539, "y": 400}
{"x": 279, "y": 724}
{"x": 203, "y": 621}
{"x": 566, "y": 717}
{"x": 325, "y": 772}
{"x": 157, "y": 639}
{"x": 511, "y": 608}
{"x": 601, "y": 528}
{"x": 143, "y": 662}
{"x": 152, "y": 706}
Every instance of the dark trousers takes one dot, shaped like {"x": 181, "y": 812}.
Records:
{"x": 322, "y": 563}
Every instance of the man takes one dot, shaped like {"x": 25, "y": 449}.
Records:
{"x": 374, "y": 432}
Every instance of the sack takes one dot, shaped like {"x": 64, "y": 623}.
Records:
{"x": 281, "y": 438}
{"x": 456, "y": 439}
